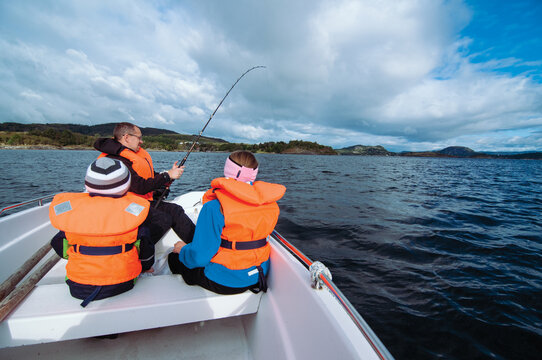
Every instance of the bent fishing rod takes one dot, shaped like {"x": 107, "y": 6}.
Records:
{"x": 203, "y": 129}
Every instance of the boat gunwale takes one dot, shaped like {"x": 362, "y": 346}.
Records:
{"x": 27, "y": 202}
{"x": 377, "y": 345}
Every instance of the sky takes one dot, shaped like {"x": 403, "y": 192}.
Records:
{"x": 410, "y": 75}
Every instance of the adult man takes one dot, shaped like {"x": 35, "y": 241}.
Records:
{"x": 126, "y": 147}
{"x": 104, "y": 256}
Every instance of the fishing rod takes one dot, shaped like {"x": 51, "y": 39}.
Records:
{"x": 202, "y": 130}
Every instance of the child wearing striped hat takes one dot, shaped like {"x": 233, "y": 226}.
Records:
{"x": 102, "y": 233}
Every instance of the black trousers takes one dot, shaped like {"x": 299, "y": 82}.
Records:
{"x": 167, "y": 216}
{"x": 197, "y": 277}
{"x": 82, "y": 291}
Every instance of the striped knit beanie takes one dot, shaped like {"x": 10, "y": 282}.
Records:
{"x": 107, "y": 176}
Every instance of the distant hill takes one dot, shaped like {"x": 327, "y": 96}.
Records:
{"x": 465, "y": 152}
{"x": 100, "y": 129}
{"x": 62, "y": 135}
{"x": 364, "y": 150}
{"x": 457, "y": 151}
{"x": 449, "y": 152}
{"x": 525, "y": 156}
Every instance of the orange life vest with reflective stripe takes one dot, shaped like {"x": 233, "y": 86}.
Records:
{"x": 141, "y": 163}
{"x": 98, "y": 222}
{"x": 250, "y": 213}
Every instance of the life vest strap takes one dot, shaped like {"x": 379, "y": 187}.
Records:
{"x": 262, "y": 282}
{"x": 244, "y": 245}
{"x": 102, "y": 250}
{"x": 91, "y": 297}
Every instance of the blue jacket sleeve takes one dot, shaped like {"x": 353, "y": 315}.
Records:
{"x": 206, "y": 240}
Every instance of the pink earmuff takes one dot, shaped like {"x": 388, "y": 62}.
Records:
{"x": 238, "y": 172}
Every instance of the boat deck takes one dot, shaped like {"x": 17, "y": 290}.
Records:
{"x": 155, "y": 301}
{"x": 50, "y": 320}
{"x": 215, "y": 339}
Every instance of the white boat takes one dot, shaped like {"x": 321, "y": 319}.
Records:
{"x": 162, "y": 317}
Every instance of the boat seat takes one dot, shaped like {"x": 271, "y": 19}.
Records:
{"x": 49, "y": 313}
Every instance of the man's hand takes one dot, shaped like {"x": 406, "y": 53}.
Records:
{"x": 164, "y": 189}
{"x": 175, "y": 172}
{"x": 178, "y": 246}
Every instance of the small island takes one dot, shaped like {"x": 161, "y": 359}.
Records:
{"x": 365, "y": 150}
{"x": 449, "y": 152}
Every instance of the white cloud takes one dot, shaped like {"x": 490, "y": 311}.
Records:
{"x": 161, "y": 119}
{"x": 31, "y": 95}
{"x": 345, "y": 72}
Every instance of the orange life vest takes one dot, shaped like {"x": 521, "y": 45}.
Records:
{"x": 101, "y": 231}
{"x": 141, "y": 163}
{"x": 250, "y": 215}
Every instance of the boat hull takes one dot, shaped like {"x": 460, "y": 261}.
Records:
{"x": 291, "y": 321}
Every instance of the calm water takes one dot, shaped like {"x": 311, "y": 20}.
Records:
{"x": 442, "y": 257}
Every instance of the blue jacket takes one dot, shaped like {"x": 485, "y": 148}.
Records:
{"x": 205, "y": 245}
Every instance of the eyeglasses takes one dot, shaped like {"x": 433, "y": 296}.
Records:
{"x": 139, "y": 137}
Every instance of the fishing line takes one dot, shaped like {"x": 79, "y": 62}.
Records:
{"x": 203, "y": 129}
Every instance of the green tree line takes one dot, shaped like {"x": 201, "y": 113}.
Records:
{"x": 50, "y": 137}
{"x": 169, "y": 142}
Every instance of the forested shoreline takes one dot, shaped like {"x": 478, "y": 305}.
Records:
{"x": 73, "y": 136}
{"x": 59, "y": 136}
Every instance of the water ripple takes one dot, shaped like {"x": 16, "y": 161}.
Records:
{"x": 440, "y": 256}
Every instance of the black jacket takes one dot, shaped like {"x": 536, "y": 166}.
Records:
{"x": 138, "y": 185}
